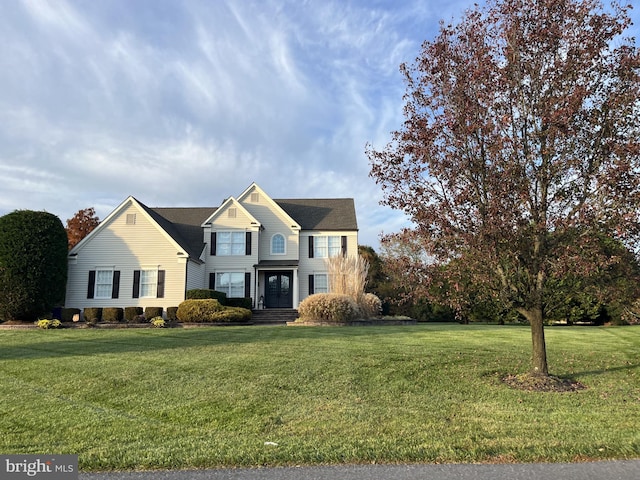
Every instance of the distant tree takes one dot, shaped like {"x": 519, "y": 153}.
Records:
{"x": 375, "y": 275}
{"x": 81, "y": 225}
{"x": 33, "y": 264}
{"x": 521, "y": 143}
{"x": 597, "y": 295}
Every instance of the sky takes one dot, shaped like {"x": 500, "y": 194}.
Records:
{"x": 183, "y": 103}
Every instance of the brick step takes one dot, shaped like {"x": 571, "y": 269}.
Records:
{"x": 274, "y": 315}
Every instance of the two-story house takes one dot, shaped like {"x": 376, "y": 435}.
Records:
{"x": 272, "y": 251}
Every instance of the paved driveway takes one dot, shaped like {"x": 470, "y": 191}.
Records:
{"x": 619, "y": 470}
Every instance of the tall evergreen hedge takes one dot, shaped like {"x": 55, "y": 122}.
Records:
{"x": 33, "y": 264}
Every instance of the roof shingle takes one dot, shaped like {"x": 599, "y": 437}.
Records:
{"x": 184, "y": 223}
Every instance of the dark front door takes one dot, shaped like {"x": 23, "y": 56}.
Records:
{"x": 279, "y": 290}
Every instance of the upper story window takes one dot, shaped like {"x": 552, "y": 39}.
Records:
{"x": 278, "y": 244}
{"x": 327, "y": 246}
{"x": 230, "y": 243}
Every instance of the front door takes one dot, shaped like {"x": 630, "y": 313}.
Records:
{"x": 279, "y": 292}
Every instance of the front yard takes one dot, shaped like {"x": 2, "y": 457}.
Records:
{"x": 250, "y": 396}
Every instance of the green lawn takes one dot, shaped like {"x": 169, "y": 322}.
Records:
{"x": 248, "y": 396}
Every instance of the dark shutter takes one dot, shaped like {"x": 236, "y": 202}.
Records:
{"x": 212, "y": 281}
{"x": 247, "y": 245}
{"x": 310, "y": 247}
{"x": 247, "y": 285}
{"x": 160, "y": 292}
{"x": 136, "y": 284}
{"x": 213, "y": 243}
{"x": 311, "y": 285}
{"x": 92, "y": 284}
{"x": 115, "y": 288}
{"x": 344, "y": 245}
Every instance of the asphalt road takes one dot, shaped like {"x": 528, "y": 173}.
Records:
{"x": 618, "y": 470}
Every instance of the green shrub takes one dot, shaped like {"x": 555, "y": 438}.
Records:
{"x": 130, "y": 314}
{"x": 112, "y": 314}
{"x": 67, "y": 314}
{"x": 370, "y": 305}
{"x": 172, "y": 314}
{"x": 328, "y": 307}
{"x": 232, "y": 315}
{"x": 152, "y": 312}
{"x": 198, "y": 310}
{"x": 244, "y": 302}
{"x": 92, "y": 314}
{"x": 204, "y": 294}
{"x": 33, "y": 264}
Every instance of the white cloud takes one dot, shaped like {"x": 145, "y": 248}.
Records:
{"x": 186, "y": 103}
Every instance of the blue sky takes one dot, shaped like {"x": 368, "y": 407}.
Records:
{"x": 184, "y": 103}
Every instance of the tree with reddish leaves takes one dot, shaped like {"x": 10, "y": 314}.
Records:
{"x": 520, "y": 148}
{"x": 81, "y": 225}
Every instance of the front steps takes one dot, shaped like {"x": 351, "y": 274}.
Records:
{"x": 277, "y": 316}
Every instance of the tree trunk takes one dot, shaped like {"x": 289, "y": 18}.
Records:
{"x": 539, "y": 364}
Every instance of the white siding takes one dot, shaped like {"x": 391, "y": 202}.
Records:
{"x": 310, "y": 266}
{"x": 232, "y": 263}
{"x": 273, "y": 221}
{"x": 195, "y": 276}
{"x": 127, "y": 247}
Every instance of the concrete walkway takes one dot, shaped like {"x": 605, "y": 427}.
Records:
{"x": 617, "y": 470}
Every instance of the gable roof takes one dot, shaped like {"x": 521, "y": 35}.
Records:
{"x": 184, "y": 225}
{"x": 254, "y": 187}
{"x": 321, "y": 213}
{"x": 227, "y": 203}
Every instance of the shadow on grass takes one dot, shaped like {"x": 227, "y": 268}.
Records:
{"x": 603, "y": 370}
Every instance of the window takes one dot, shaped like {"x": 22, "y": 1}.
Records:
{"x": 104, "y": 283}
{"x": 231, "y": 283}
{"x": 232, "y": 213}
{"x": 278, "y": 244}
{"x": 255, "y": 197}
{"x": 148, "y": 283}
{"x": 321, "y": 283}
{"x": 326, "y": 246}
{"x": 131, "y": 218}
{"x": 230, "y": 243}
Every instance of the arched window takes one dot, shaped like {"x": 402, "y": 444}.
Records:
{"x": 278, "y": 244}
